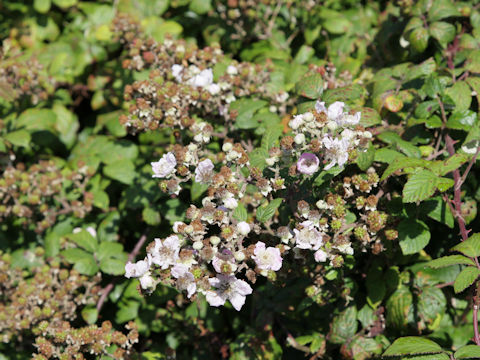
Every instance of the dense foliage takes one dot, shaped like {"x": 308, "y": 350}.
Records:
{"x": 245, "y": 179}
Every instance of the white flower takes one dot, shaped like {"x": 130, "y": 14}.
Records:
{"x": 213, "y": 89}
{"x": 224, "y": 262}
{"x": 146, "y": 281}
{"x": 335, "y": 110}
{"x": 243, "y": 228}
{"x": 165, "y": 167}
{"x": 345, "y": 248}
{"x": 308, "y": 237}
{"x": 337, "y": 151}
{"x": 267, "y": 258}
{"x": 320, "y": 256}
{"x": 308, "y": 164}
{"x": 165, "y": 253}
{"x": 349, "y": 120}
{"x": 185, "y": 279}
{"x": 204, "y": 171}
{"x": 320, "y": 107}
{"x": 296, "y": 122}
{"x": 176, "y": 224}
{"x": 230, "y": 288}
{"x": 177, "y": 72}
{"x": 203, "y": 79}
{"x": 137, "y": 269}
{"x": 299, "y": 139}
{"x": 230, "y": 202}
{"x": 232, "y": 70}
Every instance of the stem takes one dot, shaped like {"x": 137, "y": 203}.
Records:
{"x": 107, "y": 289}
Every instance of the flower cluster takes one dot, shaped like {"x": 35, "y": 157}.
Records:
{"x": 22, "y": 77}
{"x": 45, "y": 300}
{"x": 221, "y": 250}
{"x": 186, "y": 82}
{"x": 37, "y": 195}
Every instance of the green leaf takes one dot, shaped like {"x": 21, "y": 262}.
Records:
{"x": 466, "y": 278}
{"x": 110, "y": 249}
{"x": 365, "y": 158}
{"x": 344, "y": 326}
{"x": 90, "y": 314}
{"x": 240, "y": 213}
{"x": 460, "y": 93}
{"x": 452, "y": 163}
{"x": 100, "y": 199}
{"x": 369, "y": 117}
{"x": 112, "y": 266}
{"x": 420, "y": 186}
{"x": 42, "y": 6}
{"x": 270, "y": 137}
{"x": 468, "y": 352}
{"x": 412, "y": 345}
{"x": 470, "y": 247}
{"x": 64, "y": 4}
{"x": 443, "y": 32}
{"x": 86, "y": 266}
{"x": 310, "y": 86}
{"x": 85, "y": 240}
{"x": 376, "y": 289}
{"x": 438, "y": 210}
{"x": 399, "y": 308}
{"x": 347, "y": 93}
{"x": 442, "y": 9}
{"x": 18, "y": 138}
{"x": 413, "y": 235}
{"x": 128, "y": 310}
{"x": 402, "y": 163}
{"x": 264, "y": 213}
{"x": 337, "y": 25}
{"x": 151, "y": 217}
{"x": 75, "y": 254}
{"x": 257, "y": 158}
{"x": 197, "y": 190}
{"x": 201, "y": 6}
{"x": 462, "y": 120}
{"x": 395, "y": 140}
{"x": 121, "y": 170}
{"x": 419, "y": 39}
{"x": 450, "y": 260}
{"x": 387, "y": 156}
{"x": 245, "y": 109}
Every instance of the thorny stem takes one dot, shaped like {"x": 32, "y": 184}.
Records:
{"x": 107, "y": 289}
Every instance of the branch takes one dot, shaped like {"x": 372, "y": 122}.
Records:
{"x": 107, "y": 289}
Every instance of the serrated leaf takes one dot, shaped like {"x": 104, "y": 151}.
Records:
{"x": 413, "y": 236}
{"x": 466, "y": 278}
{"x": 365, "y": 158}
{"x": 310, "y": 86}
{"x": 420, "y": 186}
{"x": 419, "y": 39}
{"x": 110, "y": 249}
{"x": 449, "y": 261}
{"x": 437, "y": 209}
{"x": 412, "y": 345}
{"x": 460, "y": 93}
{"x": 462, "y": 120}
{"x": 393, "y": 103}
{"x": 151, "y": 217}
{"x": 346, "y": 93}
{"x": 240, "y": 213}
{"x": 74, "y": 254}
{"x": 18, "y": 138}
{"x": 264, "y": 213}
{"x": 270, "y": 137}
{"x": 337, "y": 25}
{"x": 112, "y": 266}
{"x": 442, "y": 9}
{"x": 468, "y": 352}
{"x": 399, "y": 308}
{"x": 402, "y": 163}
{"x": 86, "y": 266}
{"x": 470, "y": 247}
{"x": 452, "y": 163}
{"x": 344, "y": 326}
{"x": 85, "y": 240}
{"x": 120, "y": 170}
{"x": 369, "y": 117}
{"x": 90, "y": 314}
{"x": 443, "y": 32}
{"x": 257, "y": 158}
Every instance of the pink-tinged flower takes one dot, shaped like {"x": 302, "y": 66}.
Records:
{"x": 137, "y": 269}
{"x": 320, "y": 107}
{"x": 336, "y": 150}
{"x": 165, "y": 253}
{"x": 204, "y": 171}
{"x": 224, "y": 262}
{"x": 320, "y": 256}
{"x": 267, "y": 258}
{"x": 335, "y": 110}
{"x": 165, "y": 167}
{"x": 185, "y": 279}
{"x": 308, "y": 237}
{"x": 228, "y": 287}
{"x": 308, "y": 164}
{"x": 147, "y": 282}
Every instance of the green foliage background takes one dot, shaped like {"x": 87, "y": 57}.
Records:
{"x": 412, "y": 66}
